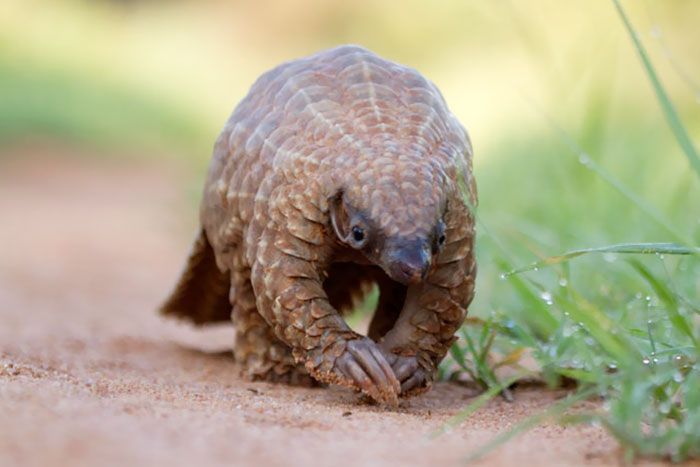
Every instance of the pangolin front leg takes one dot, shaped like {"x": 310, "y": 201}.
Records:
{"x": 433, "y": 311}
{"x": 261, "y": 355}
{"x": 287, "y": 277}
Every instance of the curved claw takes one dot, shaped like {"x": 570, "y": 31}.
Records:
{"x": 415, "y": 381}
{"x": 405, "y": 367}
{"x": 408, "y": 371}
{"x": 366, "y": 366}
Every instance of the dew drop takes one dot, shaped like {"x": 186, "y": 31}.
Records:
{"x": 563, "y": 282}
{"x": 547, "y": 297}
{"x": 646, "y": 361}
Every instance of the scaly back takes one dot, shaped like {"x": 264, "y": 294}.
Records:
{"x": 351, "y": 120}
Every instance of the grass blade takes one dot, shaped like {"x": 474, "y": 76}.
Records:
{"x": 608, "y": 333}
{"x": 623, "y": 248}
{"x": 587, "y": 161}
{"x": 665, "y": 294}
{"x": 669, "y": 110}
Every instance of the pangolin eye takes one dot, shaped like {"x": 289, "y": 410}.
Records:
{"x": 440, "y": 238}
{"x": 358, "y": 234}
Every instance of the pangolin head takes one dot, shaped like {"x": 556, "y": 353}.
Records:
{"x": 391, "y": 209}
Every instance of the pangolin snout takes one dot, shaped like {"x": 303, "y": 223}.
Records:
{"x": 409, "y": 264}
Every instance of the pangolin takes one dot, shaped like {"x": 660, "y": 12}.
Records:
{"x": 335, "y": 172}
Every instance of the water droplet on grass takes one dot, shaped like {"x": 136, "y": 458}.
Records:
{"x": 563, "y": 282}
{"x": 547, "y": 297}
{"x": 665, "y": 407}
{"x": 646, "y": 361}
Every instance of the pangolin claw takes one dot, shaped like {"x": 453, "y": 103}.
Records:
{"x": 365, "y": 365}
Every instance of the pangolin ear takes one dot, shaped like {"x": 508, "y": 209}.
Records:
{"x": 339, "y": 217}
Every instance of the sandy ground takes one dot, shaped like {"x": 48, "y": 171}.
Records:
{"x": 91, "y": 375}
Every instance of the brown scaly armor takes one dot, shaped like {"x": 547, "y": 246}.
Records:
{"x": 336, "y": 172}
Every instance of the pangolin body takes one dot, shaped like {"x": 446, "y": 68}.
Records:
{"x": 337, "y": 171}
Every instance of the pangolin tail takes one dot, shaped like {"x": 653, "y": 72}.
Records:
{"x": 201, "y": 294}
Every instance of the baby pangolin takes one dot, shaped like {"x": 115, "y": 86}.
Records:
{"x": 336, "y": 172}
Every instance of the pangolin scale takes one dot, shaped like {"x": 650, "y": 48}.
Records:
{"x": 337, "y": 171}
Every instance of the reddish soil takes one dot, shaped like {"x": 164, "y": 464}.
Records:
{"x": 91, "y": 375}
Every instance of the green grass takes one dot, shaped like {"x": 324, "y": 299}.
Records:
{"x": 621, "y": 320}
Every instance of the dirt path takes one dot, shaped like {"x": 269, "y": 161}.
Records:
{"x": 90, "y": 375}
